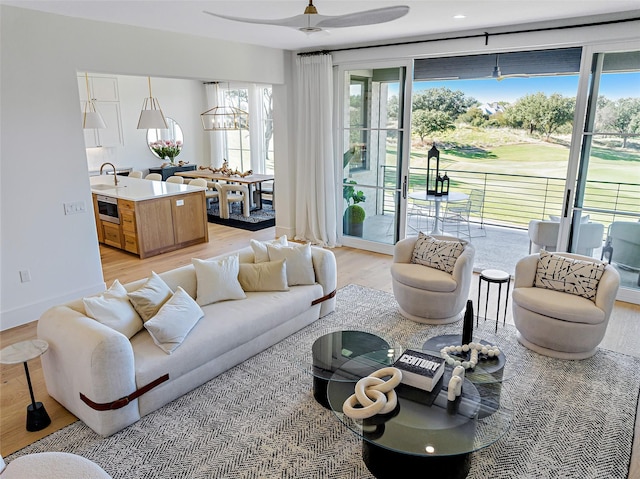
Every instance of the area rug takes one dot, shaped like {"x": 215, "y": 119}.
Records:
{"x": 571, "y": 419}
{"x": 257, "y": 220}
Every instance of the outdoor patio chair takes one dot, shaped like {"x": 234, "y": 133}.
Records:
{"x": 458, "y": 213}
{"x": 623, "y": 245}
{"x": 544, "y": 235}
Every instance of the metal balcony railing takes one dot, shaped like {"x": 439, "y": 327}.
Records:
{"x": 513, "y": 200}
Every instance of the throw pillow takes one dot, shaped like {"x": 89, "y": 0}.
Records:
{"x": 268, "y": 276}
{"x": 436, "y": 253}
{"x": 569, "y": 275}
{"x": 150, "y": 296}
{"x": 217, "y": 280}
{"x": 299, "y": 263}
{"x": 112, "y": 308}
{"x": 259, "y": 248}
{"x": 174, "y": 320}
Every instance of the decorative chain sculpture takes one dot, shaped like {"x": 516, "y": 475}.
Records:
{"x": 476, "y": 350}
{"x": 374, "y": 395}
{"x": 226, "y": 171}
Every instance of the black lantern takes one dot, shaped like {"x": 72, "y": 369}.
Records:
{"x": 445, "y": 184}
{"x": 433, "y": 173}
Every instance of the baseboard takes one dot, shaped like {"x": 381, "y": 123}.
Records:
{"x": 31, "y": 312}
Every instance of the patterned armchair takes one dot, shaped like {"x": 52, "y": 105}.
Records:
{"x": 562, "y": 303}
{"x": 436, "y": 291}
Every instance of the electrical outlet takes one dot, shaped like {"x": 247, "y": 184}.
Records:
{"x": 75, "y": 207}
{"x": 179, "y": 202}
{"x": 25, "y": 276}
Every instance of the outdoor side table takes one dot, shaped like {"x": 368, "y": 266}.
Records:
{"x": 494, "y": 276}
{"x": 37, "y": 417}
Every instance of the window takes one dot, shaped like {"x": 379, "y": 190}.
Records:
{"x": 250, "y": 149}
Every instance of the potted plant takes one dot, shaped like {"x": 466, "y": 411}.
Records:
{"x": 354, "y": 214}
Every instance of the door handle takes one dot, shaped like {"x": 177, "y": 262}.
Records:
{"x": 404, "y": 188}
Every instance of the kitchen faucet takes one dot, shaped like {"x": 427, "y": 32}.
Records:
{"x": 115, "y": 177}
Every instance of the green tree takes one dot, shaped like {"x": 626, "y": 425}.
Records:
{"x": 442, "y": 99}
{"x": 537, "y": 112}
{"x": 474, "y": 116}
{"x": 620, "y": 116}
{"x": 424, "y": 122}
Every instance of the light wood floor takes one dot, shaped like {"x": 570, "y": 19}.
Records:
{"x": 354, "y": 266}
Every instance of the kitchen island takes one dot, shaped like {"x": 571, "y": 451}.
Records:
{"x": 148, "y": 217}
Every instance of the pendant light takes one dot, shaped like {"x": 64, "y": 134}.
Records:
{"x": 224, "y": 117}
{"x": 91, "y": 118}
{"x": 496, "y": 70}
{"x": 151, "y": 116}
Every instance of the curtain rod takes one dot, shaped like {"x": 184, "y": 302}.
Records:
{"x": 484, "y": 35}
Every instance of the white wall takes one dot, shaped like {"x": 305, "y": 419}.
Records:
{"x": 42, "y": 154}
{"x": 182, "y": 100}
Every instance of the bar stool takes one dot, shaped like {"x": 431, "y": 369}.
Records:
{"x": 499, "y": 277}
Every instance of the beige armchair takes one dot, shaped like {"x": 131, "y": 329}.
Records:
{"x": 47, "y": 465}
{"x": 559, "y": 324}
{"x": 429, "y": 295}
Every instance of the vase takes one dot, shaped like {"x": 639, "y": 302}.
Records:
{"x": 171, "y": 159}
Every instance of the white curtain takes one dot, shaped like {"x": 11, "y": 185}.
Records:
{"x": 315, "y": 166}
{"x": 216, "y": 138}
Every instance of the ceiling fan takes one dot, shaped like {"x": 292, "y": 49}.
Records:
{"x": 311, "y": 21}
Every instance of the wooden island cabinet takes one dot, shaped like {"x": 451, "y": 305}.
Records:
{"x": 152, "y": 217}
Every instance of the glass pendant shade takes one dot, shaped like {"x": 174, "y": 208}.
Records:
{"x": 225, "y": 118}
{"x": 151, "y": 116}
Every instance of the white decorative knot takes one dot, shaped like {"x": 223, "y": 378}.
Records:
{"x": 374, "y": 395}
{"x": 475, "y": 348}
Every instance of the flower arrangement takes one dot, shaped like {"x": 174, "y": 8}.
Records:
{"x": 166, "y": 148}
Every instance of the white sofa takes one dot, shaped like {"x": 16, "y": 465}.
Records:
{"x": 89, "y": 358}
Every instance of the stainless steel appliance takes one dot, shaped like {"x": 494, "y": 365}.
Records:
{"x": 108, "y": 209}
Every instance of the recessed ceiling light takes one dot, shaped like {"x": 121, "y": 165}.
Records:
{"x": 459, "y": 17}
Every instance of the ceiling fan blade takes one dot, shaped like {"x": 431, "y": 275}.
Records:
{"x": 293, "y": 22}
{"x": 366, "y": 17}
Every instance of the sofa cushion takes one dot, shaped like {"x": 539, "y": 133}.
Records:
{"x": 568, "y": 275}
{"x": 217, "y": 280}
{"x": 558, "y": 305}
{"x": 436, "y": 253}
{"x": 150, "y": 297}
{"x": 113, "y": 308}
{"x": 226, "y": 326}
{"x": 266, "y": 276}
{"x": 299, "y": 263}
{"x": 417, "y": 276}
{"x": 260, "y": 253}
{"x": 174, "y": 320}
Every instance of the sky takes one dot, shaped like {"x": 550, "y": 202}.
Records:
{"x": 612, "y": 86}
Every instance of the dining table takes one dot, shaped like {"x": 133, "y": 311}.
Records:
{"x": 451, "y": 197}
{"x": 253, "y": 181}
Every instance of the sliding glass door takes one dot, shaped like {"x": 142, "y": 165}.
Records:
{"x": 606, "y": 213}
{"x": 372, "y": 146}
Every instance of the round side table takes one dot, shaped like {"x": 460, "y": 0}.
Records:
{"x": 499, "y": 277}
{"x": 37, "y": 417}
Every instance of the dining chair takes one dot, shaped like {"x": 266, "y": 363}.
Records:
{"x": 175, "y": 179}
{"x": 211, "y": 193}
{"x": 154, "y": 177}
{"x": 135, "y": 174}
{"x": 233, "y": 193}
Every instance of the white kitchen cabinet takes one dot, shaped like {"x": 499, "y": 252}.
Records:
{"x": 104, "y": 93}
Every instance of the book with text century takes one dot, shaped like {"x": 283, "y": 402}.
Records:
{"x": 420, "y": 370}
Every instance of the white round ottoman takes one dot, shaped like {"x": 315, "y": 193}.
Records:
{"x": 52, "y": 465}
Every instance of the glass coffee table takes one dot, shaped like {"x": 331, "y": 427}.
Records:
{"x": 333, "y": 350}
{"x": 425, "y": 432}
